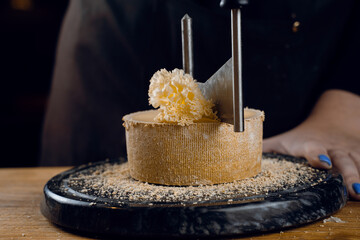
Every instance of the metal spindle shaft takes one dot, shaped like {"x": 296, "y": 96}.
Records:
{"x": 187, "y": 44}
{"x": 238, "y": 108}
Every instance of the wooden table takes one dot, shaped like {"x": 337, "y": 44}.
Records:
{"x": 20, "y": 217}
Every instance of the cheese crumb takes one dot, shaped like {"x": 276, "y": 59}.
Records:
{"x": 333, "y": 219}
{"x": 178, "y": 97}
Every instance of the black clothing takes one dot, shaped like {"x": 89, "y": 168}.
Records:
{"x": 108, "y": 50}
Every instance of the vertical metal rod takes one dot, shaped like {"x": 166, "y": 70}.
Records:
{"x": 187, "y": 44}
{"x": 238, "y": 108}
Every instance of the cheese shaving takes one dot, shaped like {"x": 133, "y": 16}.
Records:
{"x": 178, "y": 97}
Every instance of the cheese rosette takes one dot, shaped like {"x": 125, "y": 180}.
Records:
{"x": 179, "y": 99}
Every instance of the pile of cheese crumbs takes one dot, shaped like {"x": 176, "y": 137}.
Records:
{"x": 113, "y": 181}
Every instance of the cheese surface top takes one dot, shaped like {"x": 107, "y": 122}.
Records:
{"x": 178, "y": 97}
{"x": 150, "y": 115}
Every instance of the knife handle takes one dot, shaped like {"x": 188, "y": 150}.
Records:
{"x": 233, "y": 4}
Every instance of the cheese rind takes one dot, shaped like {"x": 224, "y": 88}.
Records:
{"x": 205, "y": 152}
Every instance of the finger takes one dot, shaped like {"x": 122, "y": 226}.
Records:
{"x": 347, "y": 167}
{"x": 274, "y": 144}
{"x": 316, "y": 154}
{"x": 355, "y": 156}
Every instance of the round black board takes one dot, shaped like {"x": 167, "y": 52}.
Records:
{"x": 69, "y": 208}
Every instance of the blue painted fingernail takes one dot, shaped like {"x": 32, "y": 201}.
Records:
{"x": 325, "y": 159}
{"x": 356, "y": 187}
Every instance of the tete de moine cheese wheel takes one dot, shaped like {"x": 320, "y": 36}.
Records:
{"x": 206, "y": 152}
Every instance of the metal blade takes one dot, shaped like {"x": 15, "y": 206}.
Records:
{"x": 219, "y": 89}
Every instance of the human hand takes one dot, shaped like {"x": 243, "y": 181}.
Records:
{"x": 329, "y": 137}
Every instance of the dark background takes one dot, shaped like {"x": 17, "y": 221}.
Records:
{"x": 28, "y": 35}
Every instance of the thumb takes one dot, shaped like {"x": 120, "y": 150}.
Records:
{"x": 274, "y": 144}
{"x": 316, "y": 154}
{"x": 314, "y": 151}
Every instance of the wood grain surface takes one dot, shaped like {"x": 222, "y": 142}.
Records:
{"x": 20, "y": 217}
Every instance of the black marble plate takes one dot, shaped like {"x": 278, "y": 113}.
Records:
{"x": 89, "y": 213}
